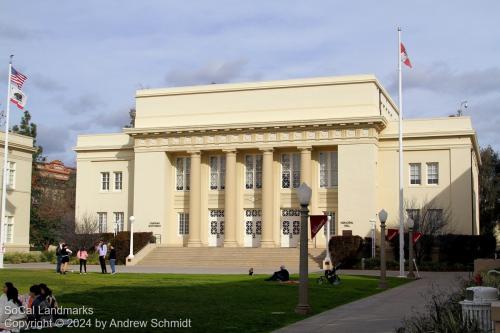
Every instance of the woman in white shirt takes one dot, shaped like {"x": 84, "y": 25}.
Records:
{"x": 12, "y": 315}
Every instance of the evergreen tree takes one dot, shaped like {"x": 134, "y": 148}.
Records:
{"x": 28, "y": 128}
{"x": 489, "y": 190}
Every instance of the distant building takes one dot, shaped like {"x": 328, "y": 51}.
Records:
{"x": 17, "y": 227}
{"x": 54, "y": 170}
{"x": 219, "y": 165}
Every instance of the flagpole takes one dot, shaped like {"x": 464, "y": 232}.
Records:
{"x": 401, "y": 214}
{"x": 3, "y": 231}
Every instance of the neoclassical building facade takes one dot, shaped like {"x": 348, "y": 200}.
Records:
{"x": 17, "y": 209}
{"x": 218, "y": 165}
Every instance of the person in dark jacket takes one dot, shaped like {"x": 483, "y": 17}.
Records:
{"x": 112, "y": 258}
{"x": 59, "y": 256}
{"x": 281, "y": 275}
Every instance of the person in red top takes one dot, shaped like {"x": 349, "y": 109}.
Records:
{"x": 83, "y": 256}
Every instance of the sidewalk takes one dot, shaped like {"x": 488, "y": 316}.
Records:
{"x": 380, "y": 313}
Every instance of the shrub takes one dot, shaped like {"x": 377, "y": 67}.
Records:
{"x": 345, "y": 249}
{"x": 465, "y": 248}
{"x": 122, "y": 243}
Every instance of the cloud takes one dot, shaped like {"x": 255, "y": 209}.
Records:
{"x": 47, "y": 84}
{"x": 211, "y": 73}
{"x": 54, "y": 140}
{"x": 14, "y": 33}
{"x": 440, "y": 78}
{"x": 83, "y": 104}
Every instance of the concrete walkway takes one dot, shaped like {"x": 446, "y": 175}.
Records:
{"x": 380, "y": 313}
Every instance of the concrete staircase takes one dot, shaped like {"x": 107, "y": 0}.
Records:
{"x": 220, "y": 257}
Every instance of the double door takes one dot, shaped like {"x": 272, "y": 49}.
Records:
{"x": 253, "y": 227}
{"x": 216, "y": 227}
{"x": 290, "y": 227}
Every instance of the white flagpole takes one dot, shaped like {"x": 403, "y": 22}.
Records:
{"x": 3, "y": 231}
{"x": 401, "y": 214}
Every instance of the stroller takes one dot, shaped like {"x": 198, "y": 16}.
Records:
{"x": 330, "y": 276}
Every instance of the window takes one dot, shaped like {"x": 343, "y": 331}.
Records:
{"x": 217, "y": 172}
{"x": 328, "y": 169}
{"x": 11, "y": 174}
{"x": 183, "y": 223}
{"x": 415, "y": 173}
{"x": 183, "y": 166}
{"x": 432, "y": 173}
{"x": 9, "y": 229}
{"x": 119, "y": 221}
{"x": 253, "y": 166}
{"x": 102, "y": 222}
{"x": 104, "y": 181}
{"x": 332, "y": 223}
{"x": 118, "y": 181}
{"x": 414, "y": 214}
{"x": 435, "y": 216}
{"x": 290, "y": 170}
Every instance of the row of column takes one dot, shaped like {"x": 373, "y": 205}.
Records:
{"x": 230, "y": 195}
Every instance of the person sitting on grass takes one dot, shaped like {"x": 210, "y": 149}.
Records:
{"x": 46, "y": 293}
{"x": 3, "y": 297}
{"x": 37, "y": 304}
{"x": 281, "y": 275}
{"x": 12, "y": 320}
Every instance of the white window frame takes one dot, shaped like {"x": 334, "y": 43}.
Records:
{"x": 217, "y": 171}
{"x": 105, "y": 181}
{"x": 293, "y": 171}
{"x": 102, "y": 222}
{"x": 328, "y": 169}
{"x": 413, "y": 179}
{"x": 11, "y": 175}
{"x": 183, "y": 222}
{"x": 333, "y": 223}
{"x": 182, "y": 173}
{"x": 9, "y": 229}
{"x": 253, "y": 171}
{"x": 118, "y": 178}
{"x": 119, "y": 220}
{"x": 434, "y": 177}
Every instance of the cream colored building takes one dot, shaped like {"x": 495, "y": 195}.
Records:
{"x": 17, "y": 221}
{"x": 218, "y": 165}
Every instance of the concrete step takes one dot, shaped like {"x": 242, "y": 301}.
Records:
{"x": 230, "y": 257}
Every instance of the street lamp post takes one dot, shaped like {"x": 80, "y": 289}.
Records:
{"x": 131, "y": 254}
{"x": 382, "y": 215}
{"x": 304, "y": 195}
{"x": 411, "y": 224}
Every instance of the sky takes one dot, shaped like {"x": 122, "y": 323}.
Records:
{"x": 85, "y": 59}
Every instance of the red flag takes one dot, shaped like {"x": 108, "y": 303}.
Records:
{"x": 404, "y": 56}
{"x": 416, "y": 236}
{"x": 317, "y": 222}
{"x": 391, "y": 233}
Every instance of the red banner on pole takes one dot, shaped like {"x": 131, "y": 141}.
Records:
{"x": 317, "y": 222}
{"x": 391, "y": 234}
{"x": 416, "y": 236}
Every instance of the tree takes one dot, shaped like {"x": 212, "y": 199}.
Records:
{"x": 28, "y": 128}
{"x": 131, "y": 114}
{"x": 83, "y": 232}
{"x": 489, "y": 190}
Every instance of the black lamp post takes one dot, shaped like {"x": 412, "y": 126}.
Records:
{"x": 382, "y": 215}
{"x": 304, "y": 193}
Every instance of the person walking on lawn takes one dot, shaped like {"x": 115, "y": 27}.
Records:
{"x": 59, "y": 256}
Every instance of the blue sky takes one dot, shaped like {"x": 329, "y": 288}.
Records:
{"x": 85, "y": 59}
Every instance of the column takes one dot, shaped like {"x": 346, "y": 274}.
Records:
{"x": 306, "y": 177}
{"x": 267, "y": 198}
{"x": 230, "y": 190}
{"x": 195, "y": 200}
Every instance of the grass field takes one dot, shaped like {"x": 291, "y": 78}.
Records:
{"x": 214, "y": 303}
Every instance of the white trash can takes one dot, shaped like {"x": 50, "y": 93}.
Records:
{"x": 477, "y": 305}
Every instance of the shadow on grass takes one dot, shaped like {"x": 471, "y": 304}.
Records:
{"x": 214, "y": 303}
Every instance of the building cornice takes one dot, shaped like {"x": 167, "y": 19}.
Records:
{"x": 379, "y": 121}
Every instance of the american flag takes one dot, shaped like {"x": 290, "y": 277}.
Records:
{"x": 17, "y": 78}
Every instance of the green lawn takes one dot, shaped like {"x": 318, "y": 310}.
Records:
{"x": 214, "y": 303}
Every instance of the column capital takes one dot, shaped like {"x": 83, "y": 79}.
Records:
{"x": 266, "y": 149}
{"x": 304, "y": 148}
{"x": 194, "y": 152}
{"x": 229, "y": 150}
